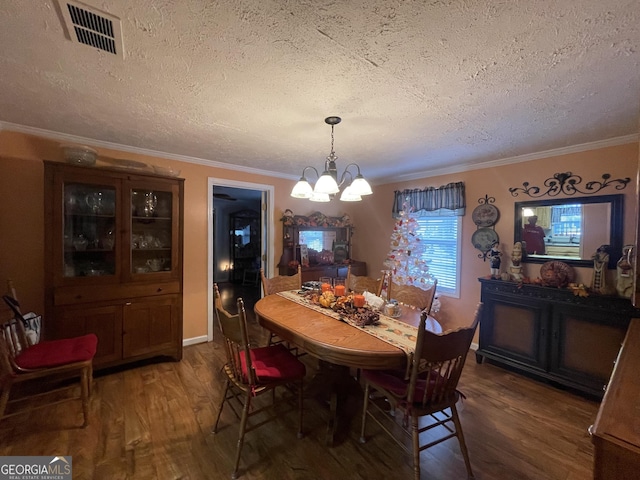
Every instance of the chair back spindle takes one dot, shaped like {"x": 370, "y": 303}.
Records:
{"x": 281, "y": 283}
{"x": 360, "y": 283}
{"x": 412, "y": 295}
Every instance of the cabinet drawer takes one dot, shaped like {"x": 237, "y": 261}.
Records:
{"x": 85, "y": 294}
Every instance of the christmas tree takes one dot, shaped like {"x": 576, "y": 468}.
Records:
{"x": 405, "y": 259}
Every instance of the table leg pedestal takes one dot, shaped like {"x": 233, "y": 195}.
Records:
{"x": 335, "y": 385}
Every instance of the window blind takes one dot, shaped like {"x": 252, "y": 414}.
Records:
{"x": 440, "y": 235}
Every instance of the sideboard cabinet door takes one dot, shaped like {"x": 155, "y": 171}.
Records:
{"x": 104, "y": 321}
{"x": 583, "y": 348}
{"x": 151, "y": 325}
{"x": 515, "y": 331}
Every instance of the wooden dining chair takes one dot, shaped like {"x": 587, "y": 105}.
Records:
{"x": 251, "y": 372}
{"x": 421, "y": 298}
{"x": 430, "y": 390}
{"x": 281, "y": 283}
{"x": 360, "y": 283}
{"x": 20, "y": 361}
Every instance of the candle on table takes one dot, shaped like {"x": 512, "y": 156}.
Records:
{"x": 358, "y": 301}
{"x": 339, "y": 290}
{"x": 326, "y": 285}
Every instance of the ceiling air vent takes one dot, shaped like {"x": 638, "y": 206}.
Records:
{"x": 92, "y": 27}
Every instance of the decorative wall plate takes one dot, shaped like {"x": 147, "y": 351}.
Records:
{"x": 556, "y": 274}
{"x": 483, "y": 239}
{"x": 485, "y": 215}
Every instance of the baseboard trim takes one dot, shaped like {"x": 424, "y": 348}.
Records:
{"x": 194, "y": 340}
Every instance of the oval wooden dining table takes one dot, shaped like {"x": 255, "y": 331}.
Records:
{"x": 338, "y": 345}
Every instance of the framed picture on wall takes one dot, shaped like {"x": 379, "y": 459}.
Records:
{"x": 304, "y": 255}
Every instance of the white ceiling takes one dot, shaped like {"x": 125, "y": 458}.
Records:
{"x": 421, "y": 86}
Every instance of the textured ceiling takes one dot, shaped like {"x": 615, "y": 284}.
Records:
{"x": 420, "y": 85}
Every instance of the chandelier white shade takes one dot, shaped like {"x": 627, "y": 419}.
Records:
{"x": 327, "y": 184}
{"x": 349, "y": 196}
{"x": 302, "y": 189}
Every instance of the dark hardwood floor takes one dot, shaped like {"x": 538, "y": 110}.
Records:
{"x": 154, "y": 422}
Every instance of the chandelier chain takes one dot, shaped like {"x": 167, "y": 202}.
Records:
{"x": 332, "y": 152}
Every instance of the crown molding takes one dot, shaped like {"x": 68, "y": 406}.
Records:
{"x": 67, "y": 138}
{"x": 583, "y": 147}
{"x": 64, "y": 137}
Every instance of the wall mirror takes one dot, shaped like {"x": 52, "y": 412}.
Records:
{"x": 319, "y": 240}
{"x": 330, "y": 239}
{"x": 570, "y": 229}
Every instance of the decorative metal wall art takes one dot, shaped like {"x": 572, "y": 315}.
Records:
{"x": 485, "y": 217}
{"x": 568, "y": 183}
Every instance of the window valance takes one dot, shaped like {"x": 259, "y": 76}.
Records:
{"x": 446, "y": 200}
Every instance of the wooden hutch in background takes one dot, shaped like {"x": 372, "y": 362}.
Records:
{"x": 245, "y": 227}
{"x": 320, "y": 244}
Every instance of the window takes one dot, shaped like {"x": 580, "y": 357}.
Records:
{"x": 566, "y": 223}
{"x": 442, "y": 251}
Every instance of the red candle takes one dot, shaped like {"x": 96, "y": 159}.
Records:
{"x": 358, "y": 301}
{"x": 339, "y": 290}
{"x": 326, "y": 287}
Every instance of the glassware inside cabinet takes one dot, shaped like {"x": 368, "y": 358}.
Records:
{"x": 151, "y": 231}
{"x": 89, "y": 230}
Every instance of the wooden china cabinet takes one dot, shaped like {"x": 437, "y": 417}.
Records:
{"x": 113, "y": 260}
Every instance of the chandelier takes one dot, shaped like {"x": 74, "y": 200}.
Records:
{"x": 327, "y": 184}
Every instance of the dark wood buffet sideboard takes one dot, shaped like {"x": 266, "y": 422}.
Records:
{"x": 552, "y": 334}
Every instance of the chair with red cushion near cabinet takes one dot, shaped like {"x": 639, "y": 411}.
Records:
{"x": 21, "y": 361}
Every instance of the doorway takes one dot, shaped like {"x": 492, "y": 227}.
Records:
{"x": 240, "y": 242}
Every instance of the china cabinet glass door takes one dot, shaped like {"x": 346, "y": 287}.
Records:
{"x": 152, "y": 232}
{"x": 90, "y": 230}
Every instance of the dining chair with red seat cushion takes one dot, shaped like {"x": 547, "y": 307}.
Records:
{"x": 430, "y": 389}
{"x": 251, "y": 372}
{"x": 20, "y": 361}
{"x": 272, "y": 364}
